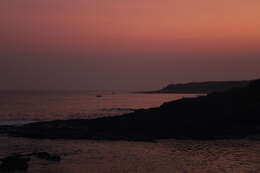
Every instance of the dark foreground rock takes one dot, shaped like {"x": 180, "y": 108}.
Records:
{"x": 232, "y": 114}
{"x": 14, "y": 163}
{"x": 19, "y": 162}
{"x": 47, "y": 156}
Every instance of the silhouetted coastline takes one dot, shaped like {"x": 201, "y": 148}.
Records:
{"x": 232, "y": 114}
{"x": 200, "y": 87}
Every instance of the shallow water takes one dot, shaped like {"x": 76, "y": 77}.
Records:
{"x": 167, "y": 156}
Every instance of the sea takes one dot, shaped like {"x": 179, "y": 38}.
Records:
{"x": 90, "y": 156}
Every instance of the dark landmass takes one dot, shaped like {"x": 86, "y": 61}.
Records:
{"x": 201, "y": 87}
{"x": 232, "y": 114}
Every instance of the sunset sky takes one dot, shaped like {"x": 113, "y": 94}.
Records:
{"x": 126, "y": 44}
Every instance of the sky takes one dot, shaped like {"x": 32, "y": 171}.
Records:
{"x": 126, "y": 44}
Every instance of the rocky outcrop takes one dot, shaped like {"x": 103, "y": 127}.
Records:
{"x": 19, "y": 162}
{"x": 14, "y": 163}
{"x": 47, "y": 156}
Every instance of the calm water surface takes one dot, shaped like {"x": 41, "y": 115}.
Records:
{"x": 85, "y": 156}
{"x": 169, "y": 156}
{"x": 17, "y": 107}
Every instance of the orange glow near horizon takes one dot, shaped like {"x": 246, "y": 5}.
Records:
{"x": 127, "y": 44}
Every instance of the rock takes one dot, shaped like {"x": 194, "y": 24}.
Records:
{"x": 14, "y": 163}
{"x": 47, "y": 156}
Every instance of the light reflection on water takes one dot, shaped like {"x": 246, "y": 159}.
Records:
{"x": 167, "y": 156}
{"x": 31, "y": 106}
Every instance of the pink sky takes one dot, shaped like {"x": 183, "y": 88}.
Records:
{"x": 129, "y": 44}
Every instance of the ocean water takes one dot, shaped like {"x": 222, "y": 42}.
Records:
{"x": 87, "y": 156}
{"x": 27, "y": 106}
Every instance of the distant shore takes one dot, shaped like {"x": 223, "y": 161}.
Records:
{"x": 199, "y": 87}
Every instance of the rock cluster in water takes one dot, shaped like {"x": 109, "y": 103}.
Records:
{"x": 14, "y": 163}
{"x": 19, "y": 162}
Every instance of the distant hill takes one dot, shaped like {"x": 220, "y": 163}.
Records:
{"x": 201, "y": 87}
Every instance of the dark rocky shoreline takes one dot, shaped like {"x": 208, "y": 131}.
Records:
{"x": 232, "y": 114}
{"x": 199, "y": 87}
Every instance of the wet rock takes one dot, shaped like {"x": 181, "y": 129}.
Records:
{"x": 47, "y": 156}
{"x": 14, "y": 163}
